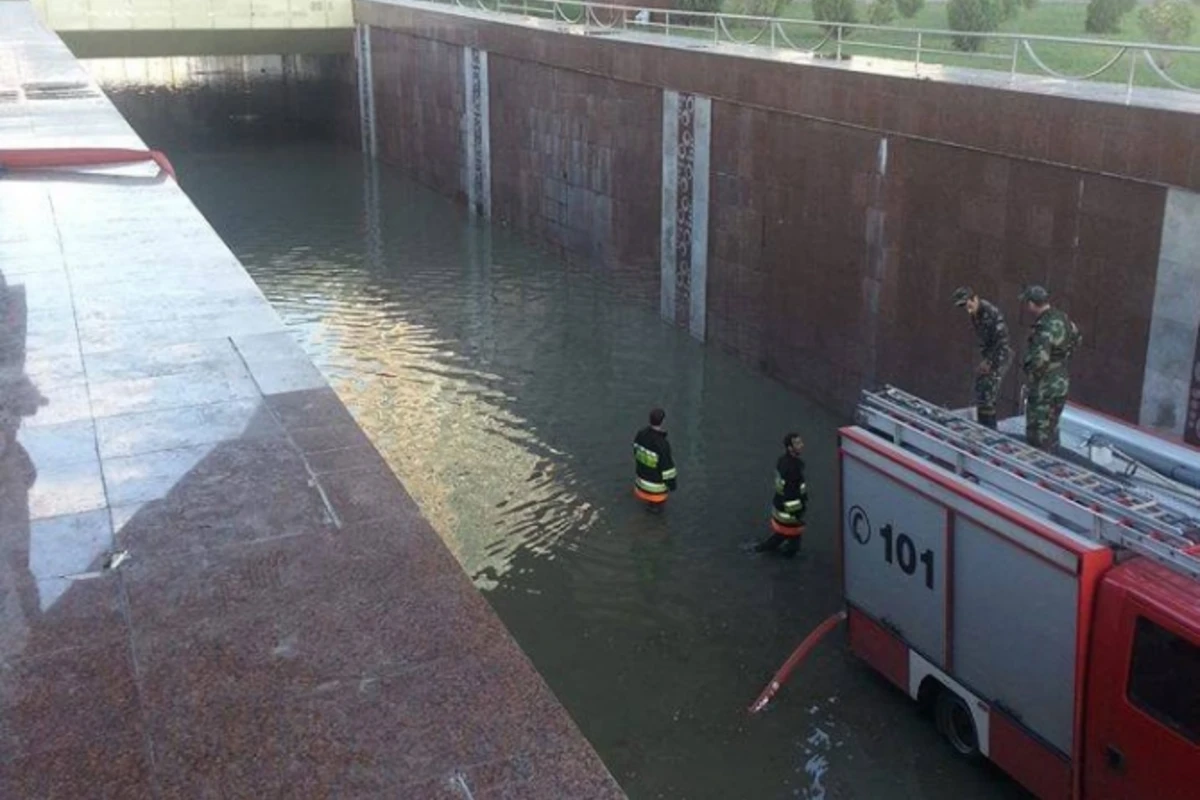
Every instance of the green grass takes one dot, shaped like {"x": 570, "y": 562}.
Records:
{"x": 1048, "y": 19}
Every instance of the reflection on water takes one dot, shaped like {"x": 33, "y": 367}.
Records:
{"x": 505, "y": 388}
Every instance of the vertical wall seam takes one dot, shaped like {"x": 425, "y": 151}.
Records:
{"x": 701, "y": 175}
{"x": 876, "y": 217}
{"x": 686, "y": 160}
{"x": 670, "y": 146}
{"x": 476, "y": 133}
{"x": 366, "y": 90}
{"x": 370, "y": 145}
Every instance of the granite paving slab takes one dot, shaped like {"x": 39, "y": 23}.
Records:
{"x": 211, "y": 584}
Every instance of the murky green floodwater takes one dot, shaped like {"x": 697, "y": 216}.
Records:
{"x": 504, "y": 388}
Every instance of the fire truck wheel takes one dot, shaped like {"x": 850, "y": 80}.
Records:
{"x": 954, "y": 721}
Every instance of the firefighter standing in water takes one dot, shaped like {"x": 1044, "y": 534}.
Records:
{"x": 790, "y": 502}
{"x": 655, "y": 473}
{"x": 992, "y": 332}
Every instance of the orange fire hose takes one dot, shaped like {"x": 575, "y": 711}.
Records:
{"x": 47, "y": 158}
{"x": 798, "y": 655}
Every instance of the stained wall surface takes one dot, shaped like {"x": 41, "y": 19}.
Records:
{"x": 840, "y": 209}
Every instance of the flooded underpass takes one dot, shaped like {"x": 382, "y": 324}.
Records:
{"x": 504, "y": 387}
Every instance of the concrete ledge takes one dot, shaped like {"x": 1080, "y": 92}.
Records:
{"x": 150, "y": 44}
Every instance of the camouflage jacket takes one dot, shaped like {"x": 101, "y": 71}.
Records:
{"x": 992, "y": 332}
{"x": 1053, "y": 338}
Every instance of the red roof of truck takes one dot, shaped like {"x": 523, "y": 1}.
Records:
{"x": 1170, "y": 592}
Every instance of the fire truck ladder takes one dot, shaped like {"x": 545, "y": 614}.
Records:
{"x": 1090, "y": 502}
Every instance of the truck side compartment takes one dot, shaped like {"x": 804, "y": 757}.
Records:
{"x": 956, "y": 591}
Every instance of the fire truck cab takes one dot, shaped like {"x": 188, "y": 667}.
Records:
{"x": 1142, "y": 703}
{"x": 1045, "y": 608}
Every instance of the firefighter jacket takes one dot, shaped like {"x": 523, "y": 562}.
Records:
{"x": 655, "y": 469}
{"x": 791, "y": 492}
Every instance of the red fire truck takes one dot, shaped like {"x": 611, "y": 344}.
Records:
{"x": 1045, "y": 609}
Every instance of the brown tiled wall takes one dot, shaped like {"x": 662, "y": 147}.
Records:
{"x": 788, "y": 264}
{"x": 576, "y": 160}
{"x": 787, "y": 247}
{"x": 345, "y": 104}
{"x": 957, "y": 216}
{"x": 987, "y": 187}
{"x": 419, "y": 103}
{"x": 1146, "y": 143}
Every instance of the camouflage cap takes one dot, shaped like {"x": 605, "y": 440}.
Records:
{"x": 1035, "y": 294}
{"x": 962, "y": 294}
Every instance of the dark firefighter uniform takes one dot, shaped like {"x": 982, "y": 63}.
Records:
{"x": 655, "y": 472}
{"x": 788, "y": 505}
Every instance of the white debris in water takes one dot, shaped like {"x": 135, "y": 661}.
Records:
{"x": 819, "y": 745}
{"x": 286, "y": 647}
{"x": 116, "y": 559}
{"x": 816, "y": 768}
{"x": 459, "y": 781}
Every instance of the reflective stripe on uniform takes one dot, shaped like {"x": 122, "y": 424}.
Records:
{"x": 646, "y": 497}
{"x": 670, "y": 474}
{"x": 646, "y": 456}
{"x": 650, "y": 486}
{"x": 784, "y": 517}
{"x": 793, "y": 505}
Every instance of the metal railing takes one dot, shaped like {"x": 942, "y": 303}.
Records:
{"x": 1116, "y": 62}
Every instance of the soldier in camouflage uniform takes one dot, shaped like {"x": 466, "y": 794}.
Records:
{"x": 992, "y": 332}
{"x": 1053, "y": 338}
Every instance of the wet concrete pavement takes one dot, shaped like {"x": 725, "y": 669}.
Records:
{"x": 286, "y": 623}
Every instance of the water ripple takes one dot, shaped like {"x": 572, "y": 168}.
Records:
{"x": 504, "y": 388}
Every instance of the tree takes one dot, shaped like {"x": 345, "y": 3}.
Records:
{"x": 835, "y": 11}
{"x": 881, "y": 12}
{"x": 703, "y": 6}
{"x": 977, "y": 16}
{"x": 1104, "y": 16}
{"x": 756, "y": 8}
{"x": 1167, "y": 22}
{"x": 909, "y": 8}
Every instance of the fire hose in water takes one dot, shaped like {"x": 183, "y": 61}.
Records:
{"x": 798, "y": 655}
{"x": 50, "y": 158}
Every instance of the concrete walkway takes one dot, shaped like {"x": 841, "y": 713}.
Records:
{"x": 286, "y": 624}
